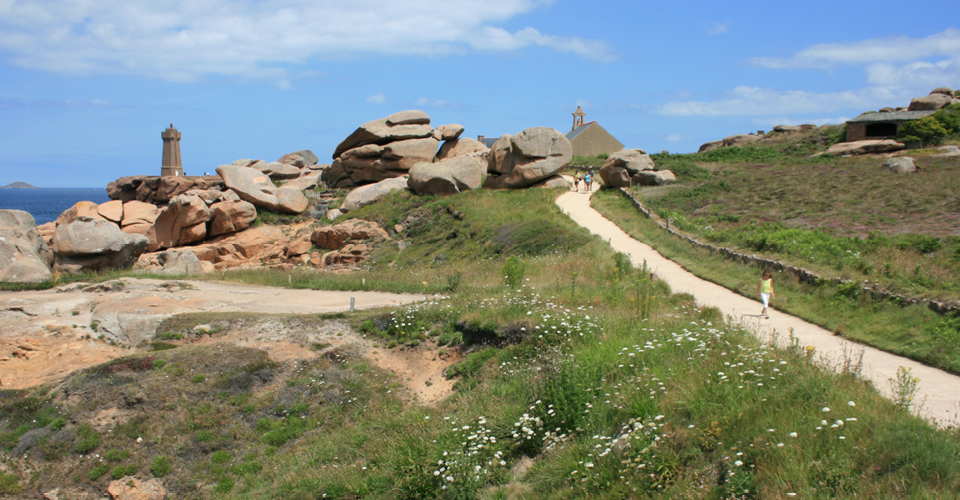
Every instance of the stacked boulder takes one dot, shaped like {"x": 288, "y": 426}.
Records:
{"x": 633, "y": 166}
{"x": 89, "y": 244}
{"x": 382, "y": 149}
{"x": 525, "y": 159}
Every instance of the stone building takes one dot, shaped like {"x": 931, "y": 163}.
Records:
{"x": 882, "y": 125}
{"x": 172, "y": 164}
{"x": 590, "y": 139}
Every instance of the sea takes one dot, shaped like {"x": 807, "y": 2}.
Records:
{"x": 46, "y": 204}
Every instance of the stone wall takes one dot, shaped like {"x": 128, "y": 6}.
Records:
{"x": 801, "y": 274}
{"x": 856, "y": 132}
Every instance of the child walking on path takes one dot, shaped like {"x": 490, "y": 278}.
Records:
{"x": 765, "y": 290}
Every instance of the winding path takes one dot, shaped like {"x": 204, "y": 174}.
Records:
{"x": 940, "y": 391}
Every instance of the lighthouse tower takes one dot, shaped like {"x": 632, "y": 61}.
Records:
{"x": 172, "y": 164}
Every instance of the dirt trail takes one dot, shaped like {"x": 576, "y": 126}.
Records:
{"x": 47, "y": 335}
{"x": 940, "y": 391}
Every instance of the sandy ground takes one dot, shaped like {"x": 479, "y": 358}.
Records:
{"x": 940, "y": 391}
{"x": 43, "y": 334}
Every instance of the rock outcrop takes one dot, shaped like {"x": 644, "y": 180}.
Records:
{"x": 24, "y": 256}
{"x": 529, "y": 157}
{"x": 400, "y": 126}
{"x": 371, "y": 193}
{"x": 386, "y": 148}
{"x": 740, "y": 140}
{"x": 933, "y": 101}
{"x": 95, "y": 244}
{"x": 334, "y": 237}
{"x": 446, "y": 177}
{"x": 710, "y": 146}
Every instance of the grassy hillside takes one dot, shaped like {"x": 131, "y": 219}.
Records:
{"x": 838, "y": 217}
{"x": 578, "y": 377}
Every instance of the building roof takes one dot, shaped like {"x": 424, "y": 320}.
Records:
{"x": 891, "y": 116}
{"x": 575, "y": 132}
{"x": 489, "y": 141}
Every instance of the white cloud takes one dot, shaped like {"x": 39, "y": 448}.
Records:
{"x": 673, "y": 137}
{"x": 425, "y": 102}
{"x": 18, "y": 103}
{"x": 755, "y": 101}
{"x": 892, "y": 49}
{"x": 377, "y": 99}
{"x": 772, "y": 122}
{"x": 181, "y": 40}
{"x": 718, "y": 29}
{"x": 916, "y": 75}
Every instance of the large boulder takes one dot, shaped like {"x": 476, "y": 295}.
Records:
{"x": 740, "y": 140}
{"x": 651, "y": 178}
{"x": 461, "y": 147}
{"x": 413, "y": 124}
{"x": 527, "y": 158}
{"x": 630, "y": 159}
{"x": 79, "y": 209}
{"x": 125, "y": 188}
{"x": 448, "y": 132}
{"x": 899, "y": 165}
{"x": 254, "y": 186}
{"x": 308, "y": 181}
{"x": 24, "y": 256}
{"x": 366, "y": 195}
{"x": 374, "y": 163}
{"x": 178, "y": 263}
{"x": 138, "y": 217}
{"x": 863, "y": 147}
{"x": 181, "y": 222}
{"x": 942, "y": 90}
{"x": 279, "y": 171}
{"x": 231, "y": 216}
{"x": 111, "y": 211}
{"x": 930, "y": 102}
{"x": 446, "y": 177}
{"x": 95, "y": 244}
{"x": 615, "y": 177}
{"x": 334, "y": 237}
{"x": 710, "y": 146}
{"x": 301, "y": 158}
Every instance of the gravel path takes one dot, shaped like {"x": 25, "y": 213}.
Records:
{"x": 940, "y": 391}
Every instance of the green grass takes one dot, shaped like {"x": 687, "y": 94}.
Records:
{"x": 844, "y": 219}
{"x": 913, "y": 331}
{"x": 616, "y": 387}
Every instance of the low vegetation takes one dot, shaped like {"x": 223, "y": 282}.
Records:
{"x": 578, "y": 377}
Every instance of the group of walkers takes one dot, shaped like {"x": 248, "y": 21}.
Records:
{"x": 583, "y": 178}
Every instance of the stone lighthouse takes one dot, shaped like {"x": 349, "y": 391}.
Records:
{"x": 172, "y": 164}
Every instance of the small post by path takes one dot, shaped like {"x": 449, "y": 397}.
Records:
{"x": 352, "y": 302}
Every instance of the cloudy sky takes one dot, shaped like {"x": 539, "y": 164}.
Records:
{"x": 86, "y": 86}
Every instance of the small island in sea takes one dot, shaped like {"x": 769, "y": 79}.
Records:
{"x": 18, "y": 184}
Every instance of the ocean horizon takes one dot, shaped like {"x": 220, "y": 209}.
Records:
{"x": 46, "y": 204}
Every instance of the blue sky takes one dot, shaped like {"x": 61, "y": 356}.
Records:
{"x": 87, "y": 86}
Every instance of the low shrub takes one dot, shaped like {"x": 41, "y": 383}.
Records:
{"x": 160, "y": 466}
